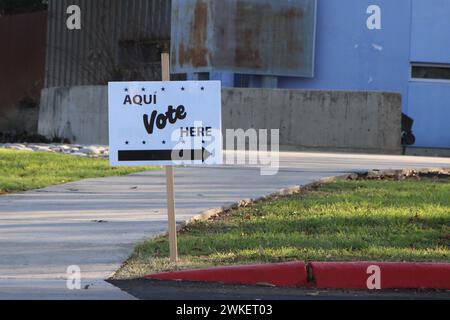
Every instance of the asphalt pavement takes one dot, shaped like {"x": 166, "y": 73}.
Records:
{"x": 187, "y": 291}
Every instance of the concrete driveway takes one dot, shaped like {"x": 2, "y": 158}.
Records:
{"x": 95, "y": 223}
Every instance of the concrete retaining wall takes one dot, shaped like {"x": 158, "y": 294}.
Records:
{"x": 79, "y": 114}
{"x": 319, "y": 120}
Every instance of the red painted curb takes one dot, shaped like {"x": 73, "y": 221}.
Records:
{"x": 291, "y": 274}
{"x": 355, "y": 275}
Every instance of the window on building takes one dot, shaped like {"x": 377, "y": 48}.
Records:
{"x": 138, "y": 52}
{"x": 140, "y": 60}
{"x": 430, "y": 72}
{"x": 178, "y": 76}
{"x": 203, "y": 76}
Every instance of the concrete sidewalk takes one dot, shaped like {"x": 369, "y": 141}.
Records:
{"x": 95, "y": 223}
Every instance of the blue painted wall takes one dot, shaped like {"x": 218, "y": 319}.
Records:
{"x": 430, "y": 34}
{"x": 349, "y": 56}
{"x": 429, "y": 105}
{"x": 429, "y": 101}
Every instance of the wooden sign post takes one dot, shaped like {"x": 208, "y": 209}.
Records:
{"x": 165, "y": 65}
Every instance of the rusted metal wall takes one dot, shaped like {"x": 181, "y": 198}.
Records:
{"x": 22, "y": 61}
{"x": 265, "y": 37}
{"x": 90, "y": 56}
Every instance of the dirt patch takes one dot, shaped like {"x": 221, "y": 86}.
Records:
{"x": 398, "y": 175}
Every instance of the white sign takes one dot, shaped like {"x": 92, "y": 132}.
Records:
{"x": 165, "y": 123}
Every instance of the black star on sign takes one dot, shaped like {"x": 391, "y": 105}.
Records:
{"x": 164, "y": 142}
{"x": 163, "y": 89}
{"x": 182, "y": 88}
{"x": 144, "y": 142}
{"x": 126, "y": 89}
{"x": 126, "y": 142}
{"x": 202, "y": 88}
{"x": 143, "y": 89}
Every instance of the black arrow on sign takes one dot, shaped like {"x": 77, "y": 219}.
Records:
{"x": 164, "y": 155}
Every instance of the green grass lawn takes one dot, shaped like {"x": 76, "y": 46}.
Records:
{"x": 20, "y": 171}
{"x": 347, "y": 220}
